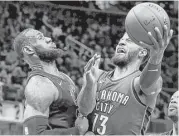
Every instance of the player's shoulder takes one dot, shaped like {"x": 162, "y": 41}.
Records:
{"x": 39, "y": 93}
{"x": 40, "y": 84}
{"x": 39, "y": 81}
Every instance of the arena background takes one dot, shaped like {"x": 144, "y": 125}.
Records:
{"x": 82, "y": 27}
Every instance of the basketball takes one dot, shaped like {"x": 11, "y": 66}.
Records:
{"x": 143, "y": 18}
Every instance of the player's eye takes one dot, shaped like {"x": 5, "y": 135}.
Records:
{"x": 129, "y": 40}
{"x": 173, "y": 102}
{"x": 40, "y": 37}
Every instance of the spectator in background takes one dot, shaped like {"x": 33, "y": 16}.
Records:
{"x": 11, "y": 57}
{"x": 5, "y": 77}
{"x": 18, "y": 75}
{"x": 38, "y": 20}
{"x": 1, "y": 90}
{"x": 57, "y": 30}
{"x": 173, "y": 114}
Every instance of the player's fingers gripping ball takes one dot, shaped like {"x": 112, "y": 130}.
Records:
{"x": 142, "y": 19}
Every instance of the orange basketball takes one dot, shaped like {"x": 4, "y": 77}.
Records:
{"x": 143, "y": 18}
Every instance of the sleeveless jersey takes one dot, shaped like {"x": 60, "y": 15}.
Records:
{"x": 62, "y": 112}
{"x": 118, "y": 109}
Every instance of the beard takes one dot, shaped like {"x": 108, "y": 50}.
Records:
{"x": 122, "y": 62}
{"x": 174, "y": 118}
{"x": 173, "y": 115}
{"x": 47, "y": 55}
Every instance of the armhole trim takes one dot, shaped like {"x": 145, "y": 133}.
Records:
{"x": 136, "y": 95}
{"x": 101, "y": 76}
{"x": 43, "y": 74}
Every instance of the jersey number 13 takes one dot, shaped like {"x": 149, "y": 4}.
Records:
{"x": 103, "y": 119}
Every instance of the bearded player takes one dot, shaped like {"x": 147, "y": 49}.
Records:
{"x": 50, "y": 94}
{"x": 126, "y": 96}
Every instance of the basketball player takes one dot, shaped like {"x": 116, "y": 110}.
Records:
{"x": 50, "y": 94}
{"x": 173, "y": 114}
{"x": 126, "y": 97}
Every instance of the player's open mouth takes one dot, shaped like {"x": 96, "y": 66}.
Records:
{"x": 172, "y": 107}
{"x": 121, "y": 50}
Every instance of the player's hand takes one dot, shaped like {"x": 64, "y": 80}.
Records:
{"x": 159, "y": 44}
{"x": 82, "y": 124}
{"x": 94, "y": 61}
{"x": 90, "y": 78}
{"x": 91, "y": 69}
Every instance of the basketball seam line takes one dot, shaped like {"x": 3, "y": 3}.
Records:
{"x": 155, "y": 15}
{"x": 130, "y": 33}
{"x": 141, "y": 23}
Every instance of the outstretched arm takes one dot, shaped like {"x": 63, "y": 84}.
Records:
{"x": 86, "y": 100}
{"x": 40, "y": 93}
{"x": 151, "y": 74}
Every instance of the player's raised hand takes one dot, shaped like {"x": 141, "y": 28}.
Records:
{"x": 91, "y": 70}
{"x": 159, "y": 44}
{"x": 94, "y": 61}
{"x": 87, "y": 97}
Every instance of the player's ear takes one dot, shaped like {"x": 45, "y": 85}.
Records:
{"x": 143, "y": 53}
{"x": 28, "y": 50}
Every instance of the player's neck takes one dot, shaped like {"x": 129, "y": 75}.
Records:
{"x": 50, "y": 68}
{"x": 122, "y": 72}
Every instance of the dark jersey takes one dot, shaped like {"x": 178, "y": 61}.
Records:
{"x": 62, "y": 113}
{"x": 118, "y": 109}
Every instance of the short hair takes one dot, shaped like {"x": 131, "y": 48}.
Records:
{"x": 22, "y": 40}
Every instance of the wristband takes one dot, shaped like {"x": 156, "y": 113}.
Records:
{"x": 154, "y": 67}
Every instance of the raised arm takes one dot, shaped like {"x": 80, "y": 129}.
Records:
{"x": 40, "y": 93}
{"x": 86, "y": 100}
{"x": 150, "y": 80}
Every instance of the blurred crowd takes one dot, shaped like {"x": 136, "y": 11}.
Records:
{"x": 98, "y": 31}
